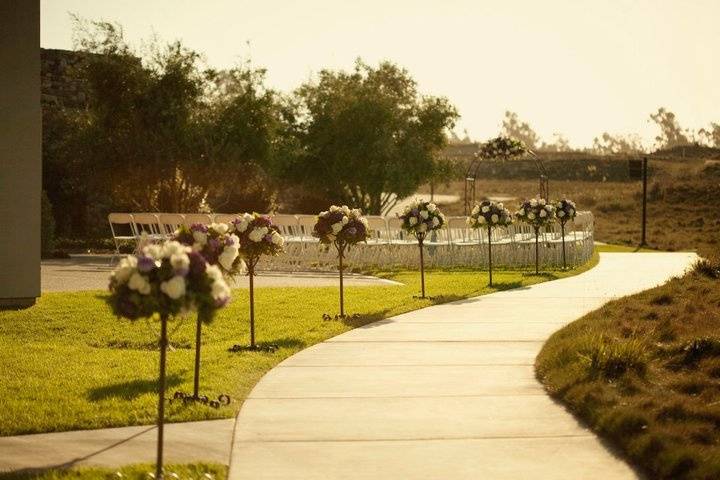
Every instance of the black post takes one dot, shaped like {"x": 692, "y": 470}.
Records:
{"x": 490, "y": 252}
{"x": 562, "y": 229}
{"x": 537, "y": 250}
{"x": 198, "y": 333}
{"x": 341, "y": 251}
{"x": 161, "y": 398}
{"x": 644, "y": 210}
{"x": 251, "y": 274}
{"x": 422, "y": 266}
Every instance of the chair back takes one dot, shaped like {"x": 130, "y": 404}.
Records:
{"x": 378, "y": 228}
{"x": 306, "y": 223}
{"x": 224, "y": 217}
{"x": 170, "y": 222}
{"x": 458, "y": 230}
{"x": 201, "y": 218}
{"x": 121, "y": 225}
{"x": 147, "y": 223}
{"x": 288, "y": 224}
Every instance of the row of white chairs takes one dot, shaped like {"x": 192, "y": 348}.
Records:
{"x": 384, "y": 230}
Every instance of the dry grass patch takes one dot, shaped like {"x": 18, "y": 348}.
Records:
{"x": 644, "y": 372}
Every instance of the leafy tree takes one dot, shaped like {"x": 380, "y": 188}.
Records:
{"x": 514, "y": 128}
{"x": 608, "y": 144}
{"x": 711, "y": 135}
{"x": 366, "y": 137}
{"x": 671, "y": 134}
{"x": 560, "y": 144}
{"x": 162, "y": 133}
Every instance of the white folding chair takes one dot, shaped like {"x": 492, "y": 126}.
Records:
{"x": 396, "y": 235}
{"x": 378, "y": 230}
{"x": 128, "y": 233}
{"x": 225, "y": 217}
{"x": 201, "y": 218}
{"x": 147, "y": 226}
{"x": 170, "y": 222}
{"x": 306, "y": 223}
{"x": 288, "y": 225}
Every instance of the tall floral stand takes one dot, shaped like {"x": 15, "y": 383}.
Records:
{"x": 161, "y": 397}
{"x": 341, "y": 246}
{"x": 421, "y": 240}
{"x": 537, "y": 250}
{"x": 562, "y": 232}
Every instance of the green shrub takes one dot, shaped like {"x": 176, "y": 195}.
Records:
{"x": 610, "y": 359}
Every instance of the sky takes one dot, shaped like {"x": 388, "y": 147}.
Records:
{"x": 575, "y": 67}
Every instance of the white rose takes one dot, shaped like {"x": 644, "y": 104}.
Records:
{"x": 571, "y": 211}
{"x": 345, "y": 220}
{"x": 336, "y": 227}
{"x": 234, "y": 241}
{"x": 213, "y": 272}
{"x": 481, "y": 220}
{"x": 543, "y": 213}
{"x": 220, "y": 228}
{"x": 153, "y": 251}
{"x": 485, "y": 209}
{"x": 125, "y": 268}
{"x": 533, "y": 202}
{"x": 470, "y": 221}
{"x": 174, "y": 288}
{"x": 180, "y": 261}
{"x": 364, "y": 221}
{"x": 220, "y": 290}
{"x": 257, "y": 234}
{"x": 278, "y": 239}
{"x": 227, "y": 257}
{"x": 531, "y": 216}
{"x": 171, "y": 248}
{"x": 334, "y": 208}
{"x": 475, "y": 210}
{"x": 435, "y": 221}
{"x": 139, "y": 283}
{"x": 432, "y": 207}
{"x": 200, "y": 237}
{"x": 500, "y": 206}
{"x": 542, "y": 201}
{"x": 241, "y": 226}
{"x": 412, "y": 221}
{"x": 424, "y": 214}
{"x": 549, "y": 208}
{"x": 494, "y": 218}
{"x": 521, "y": 212}
{"x": 561, "y": 214}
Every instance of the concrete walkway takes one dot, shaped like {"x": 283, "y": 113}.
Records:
{"x": 447, "y": 392}
{"x": 207, "y": 441}
{"x": 91, "y": 272}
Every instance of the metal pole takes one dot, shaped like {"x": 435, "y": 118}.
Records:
{"x": 422, "y": 267}
{"x": 537, "y": 249}
{"x": 196, "y": 385}
{"x": 251, "y": 273}
{"x": 562, "y": 229}
{"x": 466, "y": 197}
{"x": 342, "y": 299}
{"x": 644, "y": 208}
{"x": 490, "y": 252}
{"x": 161, "y": 398}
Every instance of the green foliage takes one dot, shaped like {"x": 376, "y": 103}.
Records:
{"x": 366, "y": 137}
{"x": 129, "y": 472}
{"x": 610, "y": 358}
{"x": 47, "y": 226}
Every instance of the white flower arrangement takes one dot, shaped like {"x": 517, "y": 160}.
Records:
{"x": 170, "y": 279}
{"x": 489, "y": 214}
{"x": 502, "y": 147}
{"x": 420, "y": 217}
{"x": 536, "y": 212}
{"x": 341, "y": 224}
{"x": 256, "y": 236}
{"x": 566, "y": 210}
{"x": 216, "y": 243}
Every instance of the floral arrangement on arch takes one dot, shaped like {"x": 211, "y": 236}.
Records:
{"x": 215, "y": 243}
{"x": 257, "y": 235}
{"x": 536, "y": 212}
{"x": 420, "y": 217}
{"x": 343, "y": 225}
{"x": 565, "y": 210}
{"x": 489, "y": 214}
{"x": 170, "y": 279}
{"x": 502, "y": 147}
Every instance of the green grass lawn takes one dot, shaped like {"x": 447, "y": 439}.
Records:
{"x": 644, "y": 372}
{"x": 199, "y": 471}
{"x": 69, "y": 364}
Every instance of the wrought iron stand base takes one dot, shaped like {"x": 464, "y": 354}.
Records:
{"x": 268, "y": 348}
{"x": 222, "y": 400}
{"x": 327, "y": 317}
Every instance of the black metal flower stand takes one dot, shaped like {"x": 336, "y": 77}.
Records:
{"x": 562, "y": 231}
{"x": 421, "y": 239}
{"x": 537, "y": 250}
{"x": 251, "y": 264}
{"x": 161, "y": 397}
{"x": 196, "y": 380}
{"x": 340, "y": 246}
{"x": 490, "y": 254}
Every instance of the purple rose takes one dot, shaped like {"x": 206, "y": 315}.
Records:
{"x": 197, "y": 263}
{"x": 198, "y": 227}
{"x": 145, "y": 264}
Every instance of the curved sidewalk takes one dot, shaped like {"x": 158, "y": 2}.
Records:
{"x": 444, "y": 392}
